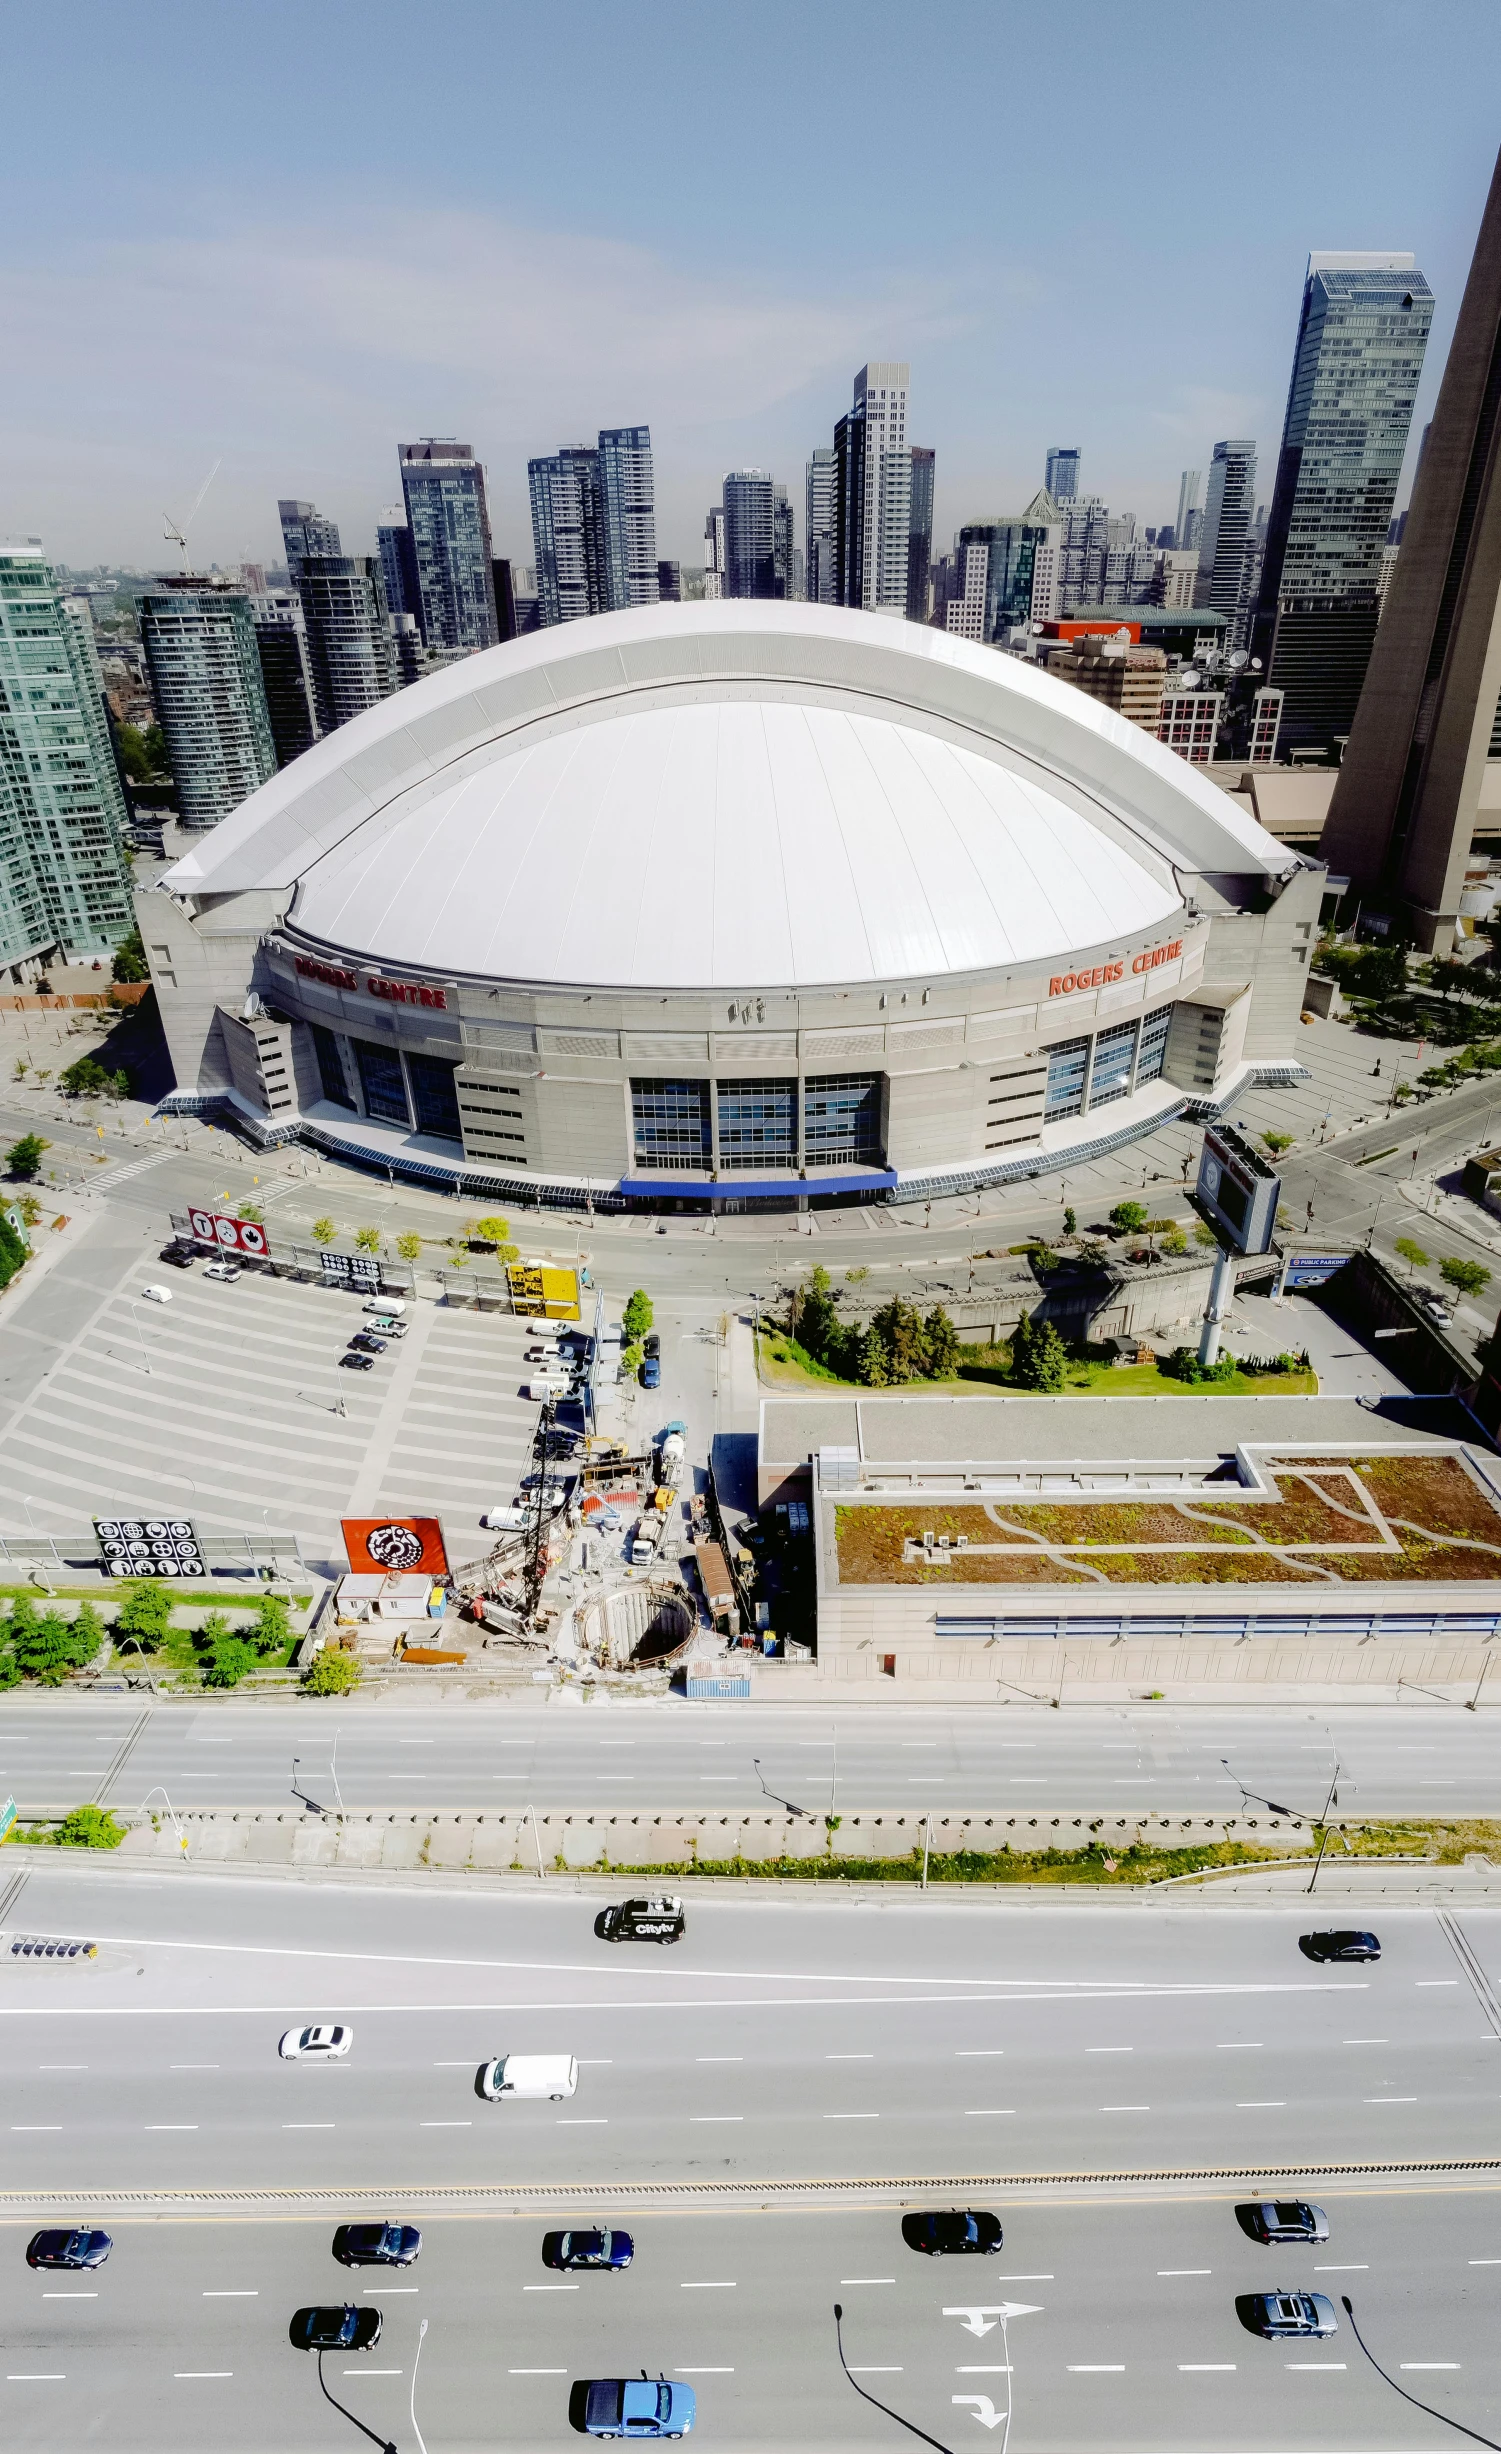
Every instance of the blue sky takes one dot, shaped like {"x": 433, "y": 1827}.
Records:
{"x": 290, "y": 236}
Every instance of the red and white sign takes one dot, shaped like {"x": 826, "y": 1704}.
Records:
{"x": 387, "y": 1546}
{"x": 1064, "y": 984}
{"x": 375, "y": 983}
{"x": 231, "y": 1235}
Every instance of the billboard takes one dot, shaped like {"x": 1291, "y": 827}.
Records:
{"x": 383, "y": 1546}
{"x": 149, "y": 1546}
{"x": 231, "y": 1235}
{"x": 551, "y": 1294}
{"x": 1238, "y": 1189}
{"x": 1312, "y": 1269}
{"x": 361, "y": 1270}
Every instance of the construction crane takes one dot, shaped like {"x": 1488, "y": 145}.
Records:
{"x": 178, "y": 536}
{"x": 521, "y": 1556}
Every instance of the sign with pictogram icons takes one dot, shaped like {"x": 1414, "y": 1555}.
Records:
{"x": 394, "y": 1546}
{"x": 230, "y": 1235}
{"x": 149, "y": 1546}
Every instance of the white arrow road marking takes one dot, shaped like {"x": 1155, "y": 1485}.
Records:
{"x": 983, "y": 2321}
{"x": 984, "y": 2410}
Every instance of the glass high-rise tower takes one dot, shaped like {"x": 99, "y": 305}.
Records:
{"x": 206, "y": 681}
{"x": 443, "y": 486}
{"x": 628, "y": 512}
{"x": 1362, "y": 333}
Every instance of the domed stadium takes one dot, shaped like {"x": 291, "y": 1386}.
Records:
{"x": 717, "y": 905}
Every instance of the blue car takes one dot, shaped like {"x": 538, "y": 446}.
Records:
{"x": 638, "y": 2407}
{"x": 651, "y": 1372}
{"x": 598, "y": 2247}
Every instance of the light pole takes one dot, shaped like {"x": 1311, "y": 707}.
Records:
{"x": 412, "y": 2403}
{"x": 910, "y": 2425}
{"x": 384, "y": 2443}
{"x": 1473, "y": 2434}
{"x": 159, "y": 1791}
{"x": 136, "y": 1317}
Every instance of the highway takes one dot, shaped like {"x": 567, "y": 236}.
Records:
{"x": 1011, "y": 2040}
{"x": 1415, "y": 1759}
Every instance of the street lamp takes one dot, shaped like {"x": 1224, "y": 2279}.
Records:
{"x": 412, "y": 2403}
{"x": 384, "y": 2443}
{"x": 1444, "y": 2416}
{"x": 910, "y": 2425}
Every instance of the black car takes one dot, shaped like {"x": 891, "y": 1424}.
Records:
{"x": 595, "y": 2247}
{"x": 365, "y": 1344}
{"x": 335, "y": 2330}
{"x": 68, "y": 2249}
{"x": 1283, "y": 2219}
{"x": 651, "y": 1344}
{"x": 181, "y": 1256}
{"x": 1339, "y": 1943}
{"x": 659, "y": 1920}
{"x": 377, "y": 2245}
{"x": 953, "y": 2232}
{"x": 354, "y": 1361}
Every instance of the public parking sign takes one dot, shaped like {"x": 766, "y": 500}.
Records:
{"x": 231, "y": 1235}
{"x": 149, "y": 1546}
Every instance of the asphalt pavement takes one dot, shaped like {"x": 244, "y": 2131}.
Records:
{"x": 1418, "y": 1759}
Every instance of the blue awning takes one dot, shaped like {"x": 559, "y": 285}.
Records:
{"x": 760, "y": 1188}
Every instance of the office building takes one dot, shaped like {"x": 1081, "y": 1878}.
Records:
{"x": 304, "y": 530}
{"x": 1062, "y": 479}
{"x": 627, "y": 510}
{"x": 1004, "y": 582}
{"x": 1120, "y": 673}
{"x": 1362, "y": 332}
{"x": 349, "y": 639}
{"x": 398, "y": 564}
{"x": 1189, "y": 720}
{"x": 1177, "y": 575}
{"x": 920, "y": 532}
{"x": 1229, "y": 508}
{"x": 205, "y": 671}
{"x": 749, "y": 533}
{"x": 567, "y": 534}
{"x": 821, "y": 574}
{"x": 64, "y": 884}
{"x": 443, "y": 486}
{"x": 788, "y": 561}
{"x": 1085, "y": 533}
{"x": 409, "y": 659}
{"x": 873, "y": 497}
{"x": 1423, "y": 769}
{"x": 286, "y": 670}
{"x": 1190, "y": 519}
{"x": 714, "y": 554}
{"x": 669, "y": 583}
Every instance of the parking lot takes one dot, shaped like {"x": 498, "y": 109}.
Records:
{"x": 228, "y": 1403}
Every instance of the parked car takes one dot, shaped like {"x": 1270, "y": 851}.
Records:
{"x": 596, "y": 2248}
{"x": 503, "y": 1520}
{"x": 386, "y": 1327}
{"x": 529, "y": 2075}
{"x": 659, "y": 1920}
{"x": 651, "y": 1372}
{"x": 324, "y": 2044}
{"x": 546, "y": 1385}
{"x": 68, "y": 2250}
{"x": 181, "y": 1256}
{"x": 394, "y": 1305}
{"x": 1283, "y": 2219}
{"x": 652, "y": 1343}
{"x": 1437, "y": 1309}
{"x": 353, "y": 1361}
{"x": 336, "y": 2330}
{"x": 638, "y": 2407}
{"x": 1278, "y": 2315}
{"x": 157, "y": 1295}
{"x": 377, "y": 2245}
{"x": 1339, "y": 1943}
{"x": 225, "y": 1271}
{"x": 953, "y": 2232}
{"x": 364, "y": 1344}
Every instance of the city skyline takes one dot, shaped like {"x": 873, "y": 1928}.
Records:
{"x": 298, "y": 336}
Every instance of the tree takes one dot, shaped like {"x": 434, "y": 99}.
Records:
{"x": 331, "y": 1672}
{"x": 252, "y": 1210}
{"x": 367, "y": 1239}
{"x": 156, "y": 750}
{"x": 1412, "y": 1253}
{"x": 856, "y": 1274}
{"x": 637, "y": 1317}
{"x": 24, "y": 1158}
{"x": 1468, "y": 1276}
{"x": 1380, "y": 973}
{"x": 272, "y": 1631}
{"x": 88, "y": 1635}
{"x": 492, "y": 1231}
{"x": 1070, "y": 1223}
{"x": 90, "y": 1827}
{"x": 324, "y": 1231}
{"x": 1277, "y": 1143}
{"x": 942, "y": 1343}
{"x": 1129, "y": 1217}
{"x": 874, "y": 1371}
{"x": 133, "y": 754}
{"x": 1039, "y": 1358}
{"x": 87, "y": 1078}
{"x": 409, "y": 1247}
{"x": 12, "y": 1251}
{"x": 44, "y": 1648}
{"x": 129, "y": 959}
{"x": 145, "y": 1616}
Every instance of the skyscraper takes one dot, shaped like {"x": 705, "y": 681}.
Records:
{"x": 920, "y": 533}
{"x": 443, "y": 486}
{"x": 669, "y": 582}
{"x": 821, "y": 570}
{"x": 286, "y": 673}
{"x": 1362, "y": 333}
{"x": 304, "y": 530}
{"x": 206, "y": 681}
{"x": 714, "y": 554}
{"x": 1190, "y": 518}
{"x": 627, "y": 503}
{"x": 1229, "y": 508}
{"x": 786, "y": 560}
{"x": 1062, "y": 479}
{"x": 1085, "y": 542}
{"x": 1425, "y": 746}
{"x": 398, "y": 562}
{"x": 64, "y": 885}
{"x": 749, "y": 533}
{"x": 1008, "y": 572}
{"x": 568, "y": 534}
{"x": 349, "y": 640}
{"x": 873, "y": 501}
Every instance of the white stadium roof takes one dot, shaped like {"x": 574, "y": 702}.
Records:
{"x": 729, "y": 796}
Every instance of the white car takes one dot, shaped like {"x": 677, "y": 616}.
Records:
{"x": 500, "y": 1520}
{"x": 225, "y": 1271}
{"x": 315, "y": 2044}
{"x": 157, "y": 1295}
{"x": 394, "y": 1304}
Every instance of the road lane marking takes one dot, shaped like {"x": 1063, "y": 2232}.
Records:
{"x": 536, "y": 2372}
{"x": 180, "y": 2125}
{"x": 1271, "y": 2104}
{"x": 1421, "y": 1981}
{"x": 253, "y": 2295}
{"x": 892, "y": 2369}
{"x": 1357, "y": 2270}
{"x": 980, "y": 2053}
{"x": 852, "y": 2117}
{"x": 1483, "y": 2262}
{"x": 1110, "y": 2049}
{"x": 1201, "y": 2368}
{"x": 388, "y": 2291}
{"x": 983, "y": 2368}
{"x": 1096, "y": 2368}
{"x": 35, "y": 2377}
{"x": 1023, "y": 2279}
{"x": 705, "y": 2372}
{"x": 1365, "y": 2040}
{"x": 1125, "y": 2108}
{"x": 719, "y": 2057}
{"x": 307, "y": 2125}
{"x": 18, "y": 2126}
{"x": 1428, "y": 2364}
{"x": 70, "y": 2296}
{"x": 374, "y": 2372}
{"x": 846, "y": 2280}
{"x": 62, "y": 2066}
{"x": 849, "y": 2057}
{"x": 716, "y": 2117}
{"x": 1313, "y": 2364}
{"x": 182, "y": 2373}
{"x": 540, "y": 2287}
{"x": 713, "y": 2287}
{"x": 583, "y": 2121}
{"x": 1247, "y": 2046}
{"x": 177, "y": 2066}
{"x": 1185, "y": 2270}
{"x": 1388, "y": 2100}
{"x": 445, "y": 2125}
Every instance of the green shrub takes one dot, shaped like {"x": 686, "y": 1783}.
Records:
{"x": 24, "y": 1158}
{"x": 331, "y": 1673}
{"x": 272, "y": 1631}
{"x": 90, "y": 1827}
{"x": 144, "y": 1617}
{"x": 636, "y": 1319}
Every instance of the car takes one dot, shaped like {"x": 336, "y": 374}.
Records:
{"x": 528, "y": 2076}
{"x": 392, "y": 1304}
{"x": 157, "y": 1295}
{"x": 651, "y": 1343}
{"x": 597, "y": 2247}
{"x": 651, "y": 1372}
{"x": 638, "y": 2407}
{"x": 1339, "y": 1943}
{"x": 499, "y": 1520}
{"x": 953, "y": 2232}
{"x": 1436, "y": 1308}
{"x": 540, "y": 1329}
{"x": 658, "y": 1920}
{"x": 181, "y": 1256}
{"x": 364, "y": 1344}
{"x": 324, "y": 2044}
{"x": 546, "y": 1354}
{"x": 225, "y": 1271}
{"x": 70, "y": 2250}
{"x": 353, "y": 1361}
{"x": 385, "y": 1327}
{"x": 1283, "y": 2219}
{"x": 1278, "y": 2315}
{"x": 377, "y": 2245}
{"x": 345, "y": 2329}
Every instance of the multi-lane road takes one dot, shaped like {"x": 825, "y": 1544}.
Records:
{"x": 924, "y": 2052}
{"x": 1423, "y": 1760}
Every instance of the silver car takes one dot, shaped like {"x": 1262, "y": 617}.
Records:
{"x": 1280, "y": 2314}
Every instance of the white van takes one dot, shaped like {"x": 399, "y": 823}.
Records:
{"x": 500, "y": 1520}
{"x": 529, "y": 2075}
{"x": 394, "y": 1304}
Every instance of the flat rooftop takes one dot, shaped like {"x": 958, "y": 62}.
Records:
{"x": 902, "y": 1433}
